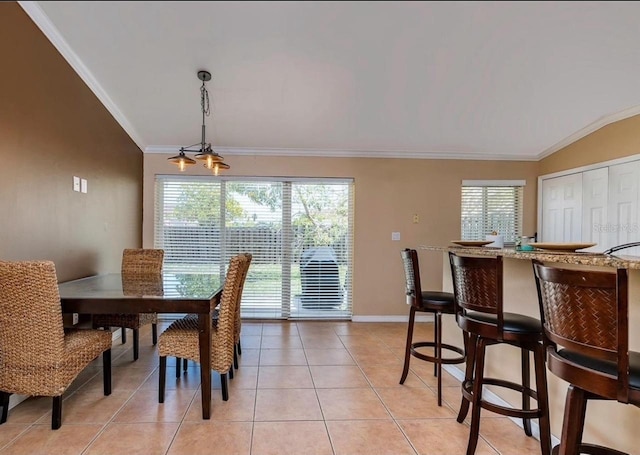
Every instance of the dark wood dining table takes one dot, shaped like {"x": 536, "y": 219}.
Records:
{"x": 168, "y": 293}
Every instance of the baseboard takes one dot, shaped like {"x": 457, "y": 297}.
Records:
{"x": 398, "y": 318}
{"x": 492, "y": 397}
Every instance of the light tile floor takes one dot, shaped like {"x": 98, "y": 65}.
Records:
{"x": 303, "y": 388}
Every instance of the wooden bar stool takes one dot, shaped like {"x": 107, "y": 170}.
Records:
{"x": 585, "y": 317}
{"x": 477, "y": 284}
{"x": 428, "y": 302}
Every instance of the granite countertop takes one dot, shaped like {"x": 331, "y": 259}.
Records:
{"x": 594, "y": 259}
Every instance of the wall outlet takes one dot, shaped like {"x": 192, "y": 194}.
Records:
{"x": 76, "y": 183}
{"x": 395, "y": 236}
{"x": 416, "y": 218}
{"x": 74, "y": 321}
{"x": 83, "y": 185}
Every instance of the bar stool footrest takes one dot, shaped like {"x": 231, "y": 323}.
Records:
{"x": 467, "y": 393}
{"x": 445, "y": 347}
{"x": 592, "y": 449}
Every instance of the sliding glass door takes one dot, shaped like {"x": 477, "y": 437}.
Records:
{"x": 300, "y": 232}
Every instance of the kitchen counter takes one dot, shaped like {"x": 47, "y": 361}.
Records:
{"x": 591, "y": 259}
{"x": 608, "y": 423}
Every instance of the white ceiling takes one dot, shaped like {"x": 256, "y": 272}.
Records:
{"x": 485, "y": 80}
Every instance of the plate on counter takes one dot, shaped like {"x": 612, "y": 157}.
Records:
{"x": 562, "y": 246}
{"x": 472, "y": 242}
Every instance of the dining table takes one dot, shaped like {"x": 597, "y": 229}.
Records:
{"x": 169, "y": 292}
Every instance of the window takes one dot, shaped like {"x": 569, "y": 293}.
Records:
{"x": 489, "y": 206}
{"x": 300, "y": 232}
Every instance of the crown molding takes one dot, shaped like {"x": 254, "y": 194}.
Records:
{"x": 327, "y": 153}
{"x": 593, "y": 127}
{"x": 39, "y": 17}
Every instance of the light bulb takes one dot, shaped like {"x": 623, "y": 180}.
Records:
{"x": 209, "y": 162}
{"x": 216, "y": 168}
{"x": 181, "y": 165}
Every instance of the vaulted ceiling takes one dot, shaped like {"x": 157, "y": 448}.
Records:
{"x": 484, "y": 80}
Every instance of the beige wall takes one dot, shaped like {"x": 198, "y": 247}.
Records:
{"x": 387, "y": 194}
{"x": 613, "y": 141}
{"x": 52, "y": 127}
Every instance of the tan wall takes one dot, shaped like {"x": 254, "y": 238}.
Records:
{"x": 52, "y": 127}
{"x": 613, "y": 141}
{"x": 387, "y": 194}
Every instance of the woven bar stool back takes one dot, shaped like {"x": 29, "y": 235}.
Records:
{"x": 585, "y": 317}
{"x": 477, "y": 284}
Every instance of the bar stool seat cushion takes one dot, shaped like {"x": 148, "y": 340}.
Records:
{"x": 513, "y": 322}
{"x": 436, "y": 300}
{"x": 610, "y": 368}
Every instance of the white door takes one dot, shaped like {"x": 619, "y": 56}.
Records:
{"x": 623, "y": 205}
{"x": 595, "y": 191}
{"x": 562, "y": 209}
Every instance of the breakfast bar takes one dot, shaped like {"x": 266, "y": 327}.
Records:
{"x": 607, "y": 423}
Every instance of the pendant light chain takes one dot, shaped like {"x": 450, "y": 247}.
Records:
{"x": 204, "y": 100}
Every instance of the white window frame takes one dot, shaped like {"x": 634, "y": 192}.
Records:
{"x": 487, "y": 227}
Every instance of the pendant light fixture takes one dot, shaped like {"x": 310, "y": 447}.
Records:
{"x": 205, "y": 153}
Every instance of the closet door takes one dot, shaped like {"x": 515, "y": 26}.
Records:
{"x": 623, "y": 205}
{"x": 595, "y": 194}
{"x": 562, "y": 209}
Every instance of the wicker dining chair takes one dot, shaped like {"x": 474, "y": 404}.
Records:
{"x": 237, "y": 349}
{"x": 181, "y": 338}
{"x": 136, "y": 263}
{"x": 38, "y": 357}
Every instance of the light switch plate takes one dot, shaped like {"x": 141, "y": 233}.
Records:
{"x": 76, "y": 183}
{"x": 395, "y": 236}
{"x": 83, "y": 185}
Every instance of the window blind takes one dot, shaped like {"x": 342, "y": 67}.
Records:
{"x": 491, "y": 207}
{"x": 300, "y": 232}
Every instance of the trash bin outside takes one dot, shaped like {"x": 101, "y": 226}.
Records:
{"x": 320, "y": 278}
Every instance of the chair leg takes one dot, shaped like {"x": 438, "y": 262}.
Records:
{"x": 575, "y": 409}
{"x": 185, "y": 364}
{"x": 239, "y": 348}
{"x": 438, "y": 349}
{"x": 231, "y": 372}
{"x": 178, "y": 362}
{"x": 526, "y": 384}
{"x": 163, "y": 376}
{"x": 470, "y": 348}
{"x": 436, "y": 337}
{"x": 136, "y": 344}
{"x": 154, "y": 334}
{"x": 225, "y": 386}
{"x": 106, "y": 371}
{"x": 123, "y": 338}
{"x": 235, "y": 356}
{"x": 407, "y": 350}
{"x": 477, "y": 396}
{"x": 4, "y": 402}
{"x": 56, "y": 415}
{"x": 543, "y": 399}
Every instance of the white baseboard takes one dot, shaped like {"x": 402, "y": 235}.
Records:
{"x": 398, "y": 318}
{"x": 492, "y": 397}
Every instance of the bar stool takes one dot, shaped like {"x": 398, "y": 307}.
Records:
{"x": 429, "y": 302}
{"x": 585, "y": 317}
{"x": 477, "y": 284}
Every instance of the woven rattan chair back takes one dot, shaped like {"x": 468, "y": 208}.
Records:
{"x": 243, "y": 277}
{"x": 413, "y": 288}
{"x": 477, "y": 286}
{"x": 222, "y": 350}
{"x": 586, "y": 313}
{"x": 31, "y": 330}
{"x": 142, "y": 261}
